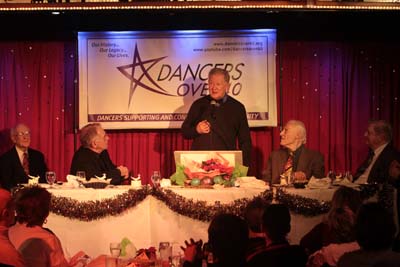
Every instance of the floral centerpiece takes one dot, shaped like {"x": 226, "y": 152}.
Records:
{"x": 214, "y": 169}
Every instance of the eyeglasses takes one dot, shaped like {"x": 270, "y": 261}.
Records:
{"x": 27, "y": 133}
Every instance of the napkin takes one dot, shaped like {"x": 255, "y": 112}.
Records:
{"x": 101, "y": 177}
{"x": 317, "y": 183}
{"x": 346, "y": 182}
{"x": 136, "y": 181}
{"x": 165, "y": 182}
{"x": 72, "y": 181}
{"x": 251, "y": 182}
{"x": 97, "y": 180}
{"x": 33, "y": 180}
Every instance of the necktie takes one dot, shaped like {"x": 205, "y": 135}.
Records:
{"x": 364, "y": 165}
{"x": 288, "y": 168}
{"x": 25, "y": 163}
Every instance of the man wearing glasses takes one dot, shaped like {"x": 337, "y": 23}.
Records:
{"x": 21, "y": 160}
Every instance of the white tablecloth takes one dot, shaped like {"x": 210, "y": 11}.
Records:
{"x": 151, "y": 221}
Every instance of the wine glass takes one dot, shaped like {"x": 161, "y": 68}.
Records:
{"x": 51, "y": 178}
{"x": 115, "y": 249}
{"x": 155, "y": 178}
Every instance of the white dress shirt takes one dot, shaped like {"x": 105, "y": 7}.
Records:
{"x": 364, "y": 177}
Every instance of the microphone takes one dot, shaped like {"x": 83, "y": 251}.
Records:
{"x": 214, "y": 104}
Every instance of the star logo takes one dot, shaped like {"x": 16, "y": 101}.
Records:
{"x": 138, "y": 74}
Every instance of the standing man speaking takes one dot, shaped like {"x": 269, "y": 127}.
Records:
{"x": 217, "y": 121}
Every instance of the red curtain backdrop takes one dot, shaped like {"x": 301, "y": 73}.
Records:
{"x": 333, "y": 87}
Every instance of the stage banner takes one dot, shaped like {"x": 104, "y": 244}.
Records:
{"x": 147, "y": 80}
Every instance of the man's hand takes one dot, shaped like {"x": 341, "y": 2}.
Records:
{"x": 299, "y": 176}
{"x": 203, "y": 127}
{"x": 193, "y": 250}
{"x": 124, "y": 171}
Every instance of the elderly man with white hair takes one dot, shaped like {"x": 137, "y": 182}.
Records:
{"x": 294, "y": 158}
{"x": 21, "y": 160}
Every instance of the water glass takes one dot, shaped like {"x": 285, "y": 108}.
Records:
{"x": 177, "y": 260}
{"x": 348, "y": 176}
{"x": 111, "y": 261}
{"x": 115, "y": 249}
{"x": 165, "y": 250}
{"x": 51, "y": 178}
{"x": 156, "y": 178}
{"x": 81, "y": 175}
{"x": 331, "y": 175}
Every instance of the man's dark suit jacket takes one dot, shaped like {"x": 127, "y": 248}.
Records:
{"x": 95, "y": 164}
{"x": 12, "y": 172}
{"x": 380, "y": 170}
{"x": 310, "y": 162}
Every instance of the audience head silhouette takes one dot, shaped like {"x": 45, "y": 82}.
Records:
{"x": 32, "y": 205}
{"x": 276, "y": 222}
{"x": 375, "y": 227}
{"x": 346, "y": 197}
{"x": 6, "y": 208}
{"x": 253, "y": 214}
{"x": 228, "y": 237}
{"x": 341, "y": 216}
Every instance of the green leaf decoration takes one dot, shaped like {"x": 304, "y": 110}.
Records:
{"x": 179, "y": 176}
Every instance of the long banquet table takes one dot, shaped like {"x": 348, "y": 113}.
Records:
{"x": 151, "y": 221}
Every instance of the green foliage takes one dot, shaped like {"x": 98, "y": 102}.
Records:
{"x": 240, "y": 171}
{"x": 195, "y": 182}
{"x": 218, "y": 179}
{"x": 124, "y": 243}
{"x": 179, "y": 176}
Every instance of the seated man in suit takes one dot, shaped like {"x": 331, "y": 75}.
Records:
{"x": 294, "y": 157}
{"x": 21, "y": 160}
{"x": 375, "y": 169}
{"x": 93, "y": 158}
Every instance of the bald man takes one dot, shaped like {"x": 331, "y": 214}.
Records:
{"x": 8, "y": 254}
{"x": 12, "y": 163}
{"x": 305, "y": 164}
{"x": 93, "y": 158}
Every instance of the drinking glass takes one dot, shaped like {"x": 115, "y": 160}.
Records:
{"x": 331, "y": 175}
{"x": 177, "y": 260}
{"x": 51, "y": 178}
{"x": 81, "y": 175}
{"x": 291, "y": 179}
{"x": 348, "y": 176}
{"x": 155, "y": 178}
{"x": 115, "y": 249}
{"x": 165, "y": 250}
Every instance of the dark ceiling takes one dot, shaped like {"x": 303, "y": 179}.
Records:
{"x": 291, "y": 24}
